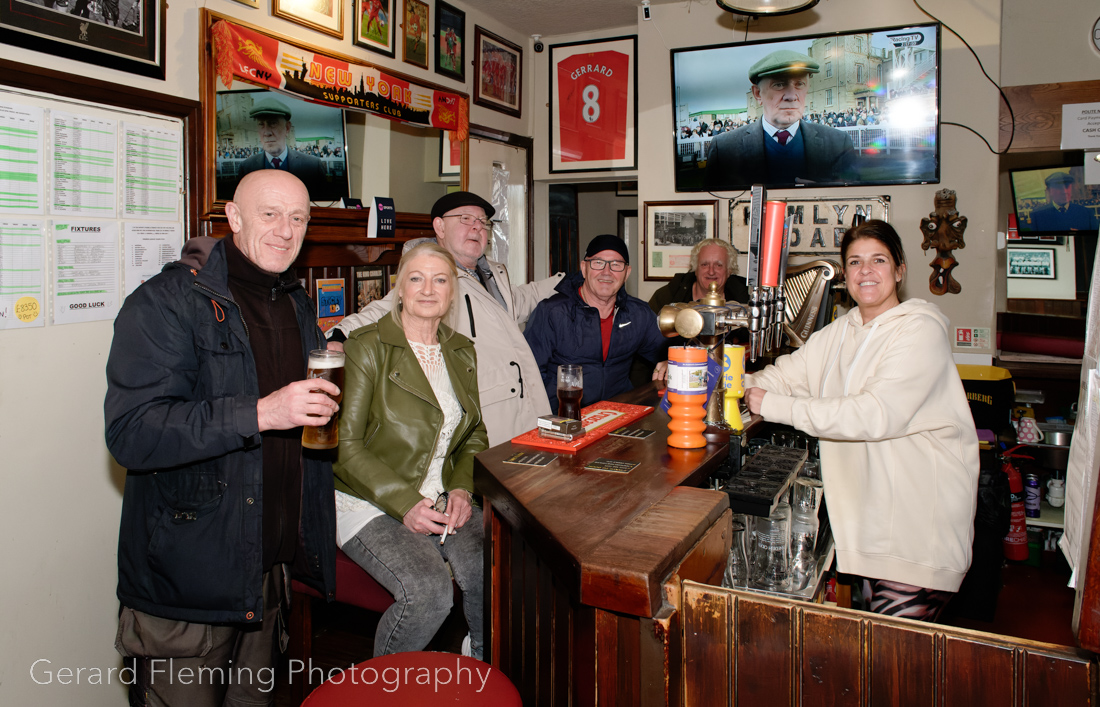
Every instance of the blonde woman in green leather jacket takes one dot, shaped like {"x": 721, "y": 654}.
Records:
{"x": 409, "y": 429}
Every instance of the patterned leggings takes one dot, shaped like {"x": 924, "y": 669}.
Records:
{"x": 904, "y": 600}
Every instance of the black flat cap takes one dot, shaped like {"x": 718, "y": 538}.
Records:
{"x": 783, "y": 61}
{"x": 608, "y": 242}
{"x": 456, "y": 199}
{"x": 269, "y": 106}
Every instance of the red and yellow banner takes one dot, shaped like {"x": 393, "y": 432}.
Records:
{"x": 259, "y": 59}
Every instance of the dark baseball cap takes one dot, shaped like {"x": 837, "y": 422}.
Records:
{"x": 783, "y": 61}
{"x": 607, "y": 242}
{"x": 457, "y": 199}
{"x": 1059, "y": 178}
{"x": 269, "y": 106}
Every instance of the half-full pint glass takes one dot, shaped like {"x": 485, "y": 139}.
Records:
{"x": 327, "y": 364}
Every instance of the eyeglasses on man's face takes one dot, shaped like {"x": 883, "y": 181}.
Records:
{"x": 470, "y": 220}
{"x": 598, "y": 264}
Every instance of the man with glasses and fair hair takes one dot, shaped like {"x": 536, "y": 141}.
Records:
{"x": 489, "y": 310}
{"x": 593, "y": 322}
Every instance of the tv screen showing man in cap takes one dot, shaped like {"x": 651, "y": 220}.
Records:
{"x": 1061, "y": 213}
{"x": 836, "y": 109}
{"x": 262, "y": 130}
{"x": 780, "y": 148}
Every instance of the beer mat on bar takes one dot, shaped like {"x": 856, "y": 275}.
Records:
{"x": 618, "y": 465}
{"x": 598, "y": 419}
{"x": 635, "y": 433}
{"x": 531, "y": 458}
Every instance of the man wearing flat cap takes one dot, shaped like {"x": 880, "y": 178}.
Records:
{"x": 273, "y": 124}
{"x": 780, "y": 149}
{"x": 593, "y": 322}
{"x": 489, "y": 310}
{"x": 1059, "y": 214}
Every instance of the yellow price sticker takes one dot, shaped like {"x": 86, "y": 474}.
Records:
{"x": 27, "y": 309}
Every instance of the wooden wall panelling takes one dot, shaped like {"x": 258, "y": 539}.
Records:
{"x": 764, "y": 648}
{"x": 1038, "y": 112}
{"x": 903, "y": 666}
{"x": 544, "y": 636}
{"x": 829, "y": 665}
{"x": 661, "y": 660}
{"x": 783, "y": 652}
{"x": 709, "y": 664}
{"x": 1053, "y": 682}
{"x": 562, "y": 681}
{"x": 976, "y": 672}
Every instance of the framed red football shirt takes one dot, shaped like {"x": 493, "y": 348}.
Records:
{"x": 593, "y": 115}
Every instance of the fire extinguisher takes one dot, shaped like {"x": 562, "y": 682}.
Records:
{"x": 1015, "y": 543}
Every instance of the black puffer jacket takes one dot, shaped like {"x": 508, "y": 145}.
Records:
{"x": 180, "y": 415}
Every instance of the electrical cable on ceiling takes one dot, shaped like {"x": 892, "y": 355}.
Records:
{"x": 1011, "y": 115}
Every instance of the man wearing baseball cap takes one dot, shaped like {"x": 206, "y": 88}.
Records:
{"x": 489, "y": 310}
{"x": 780, "y": 149}
{"x": 273, "y": 125}
{"x": 1059, "y": 213}
{"x": 592, "y": 321}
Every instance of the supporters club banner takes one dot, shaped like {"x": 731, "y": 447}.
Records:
{"x": 593, "y": 113}
{"x": 254, "y": 57}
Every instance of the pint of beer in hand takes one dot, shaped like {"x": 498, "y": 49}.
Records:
{"x": 327, "y": 364}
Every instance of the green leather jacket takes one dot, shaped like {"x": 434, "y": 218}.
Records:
{"x": 390, "y": 419}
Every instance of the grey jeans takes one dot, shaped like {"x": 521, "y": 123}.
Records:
{"x": 414, "y": 569}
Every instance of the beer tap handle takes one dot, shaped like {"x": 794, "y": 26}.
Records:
{"x": 754, "y": 323}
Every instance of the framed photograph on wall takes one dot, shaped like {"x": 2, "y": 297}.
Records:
{"x": 374, "y": 25}
{"x": 593, "y": 105}
{"x": 499, "y": 66}
{"x": 672, "y": 228}
{"x": 370, "y": 285}
{"x": 327, "y": 17}
{"x": 1031, "y": 263}
{"x": 450, "y": 41}
{"x": 414, "y": 32}
{"x": 450, "y": 154}
{"x": 127, "y": 35}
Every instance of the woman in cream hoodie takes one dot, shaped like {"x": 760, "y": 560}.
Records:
{"x": 899, "y": 454}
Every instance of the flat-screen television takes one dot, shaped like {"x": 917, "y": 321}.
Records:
{"x": 255, "y": 127}
{"x": 858, "y": 108}
{"x": 1054, "y": 201}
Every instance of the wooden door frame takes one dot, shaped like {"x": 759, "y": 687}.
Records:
{"x": 483, "y": 132}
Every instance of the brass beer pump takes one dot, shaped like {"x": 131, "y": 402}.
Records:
{"x": 706, "y": 322}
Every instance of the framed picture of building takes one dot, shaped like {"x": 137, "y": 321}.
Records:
{"x": 672, "y": 228}
{"x": 126, "y": 35}
{"x": 450, "y": 41}
{"x": 499, "y": 80}
{"x": 374, "y": 25}
{"x": 327, "y": 17}
{"x": 370, "y": 285}
{"x": 1031, "y": 263}
{"x": 593, "y": 105}
{"x": 414, "y": 32}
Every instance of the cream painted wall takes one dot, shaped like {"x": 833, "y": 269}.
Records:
{"x": 967, "y": 165}
{"x": 1048, "y": 42}
{"x": 60, "y": 507}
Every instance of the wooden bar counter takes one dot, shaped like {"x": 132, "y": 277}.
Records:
{"x": 600, "y": 590}
{"x": 578, "y": 560}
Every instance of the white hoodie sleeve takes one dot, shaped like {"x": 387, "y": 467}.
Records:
{"x": 906, "y": 377}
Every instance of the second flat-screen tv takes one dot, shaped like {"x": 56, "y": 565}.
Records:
{"x": 256, "y": 126}
{"x": 859, "y": 108}
{"x": 1054, "y": 201}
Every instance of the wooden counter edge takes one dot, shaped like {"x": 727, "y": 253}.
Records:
{"x": 625, "y": 573}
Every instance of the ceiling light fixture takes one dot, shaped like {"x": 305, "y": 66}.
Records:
{"x": 758, "y": 8}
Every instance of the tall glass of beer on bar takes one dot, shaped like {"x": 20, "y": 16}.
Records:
{"x": 327, "y": 364}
